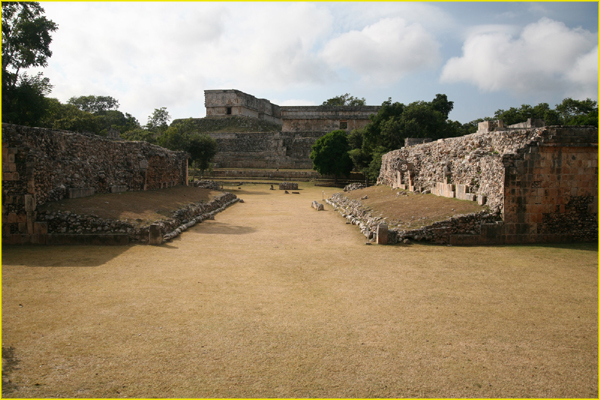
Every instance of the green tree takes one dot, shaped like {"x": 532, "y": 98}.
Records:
{"x": 345, "y": 100}
{"x": 578, "y": 112}
{"x": 25, "y": 104}
{"x": 569, "y": 112}
{"x": 330, "y": 154}
{"x": 442, "y": 105}
{"x": 202, "y": 149}
{"x": 139, "y": 134}
{"x": 25, "y": 43}
{"x": 94, "y": 104}
{"x": 158, "y": 122}
{"x": 67, "y": 117}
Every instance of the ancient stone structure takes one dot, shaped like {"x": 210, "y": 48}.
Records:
{"x": 288, "y": 145}
{"x": 233, "y": 102}
{"x": 42, "y": 165}
{"x": 325, "y": 118}
{"x": 541, "y": 182}
{"x": 288, "y": 186}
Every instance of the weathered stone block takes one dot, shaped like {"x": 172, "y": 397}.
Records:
{"x": 382, "y": 234}
{"x": 155, "y": 235}
{"x": 29, "y": 203}
{"x": 11, "y": 218}
{"x": 40, "y": 228}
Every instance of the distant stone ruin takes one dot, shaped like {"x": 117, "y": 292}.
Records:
{"x": 540, "y": 182}
{"x": 288, "y": 145}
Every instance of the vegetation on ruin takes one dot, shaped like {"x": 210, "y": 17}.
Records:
{"x": 345, "y": 100}
{"x": 569, "y": 112}
{"x": 393, "y": 123}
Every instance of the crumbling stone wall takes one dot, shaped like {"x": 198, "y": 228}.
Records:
{"x": 440, "y": 232}
{"x": 542, "y": 181}
{"x": 41, "y": 165}
{"x": 290, "y": 147}
{"x": 235, "y": 102}
{"x": 264, "y": 149}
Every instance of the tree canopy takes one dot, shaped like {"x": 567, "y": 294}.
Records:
{"x": 26, "y": 38}
{"x": 95, "y": 104}
{"x": 344, "y": 100}
{"x": 393, "y": 123}
{"x": 568, "y": 112}
{"x": 330, "y": 154}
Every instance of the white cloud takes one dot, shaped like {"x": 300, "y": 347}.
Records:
{"x": 385, "y": 51}
{"x": 584, "y": 77}
{"x": 547, "y": 57}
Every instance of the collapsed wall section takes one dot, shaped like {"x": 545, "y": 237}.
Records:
{"x": 42, "y": 165}
{"x": 468, "y": 167}
{"x": 542, "y": 181}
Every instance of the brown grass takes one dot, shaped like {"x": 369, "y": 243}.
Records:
{"x": 144, "y": 207}
{"x": 407, "y": 210}
{"x": 275, "y": 299}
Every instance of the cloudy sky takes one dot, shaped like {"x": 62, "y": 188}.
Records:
{"x": 483, "y": 56}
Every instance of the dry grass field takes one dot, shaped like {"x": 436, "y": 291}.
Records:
{"x": 275, "y": 299}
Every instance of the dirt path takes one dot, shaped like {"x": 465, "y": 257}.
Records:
{"x": 275, "y": 299}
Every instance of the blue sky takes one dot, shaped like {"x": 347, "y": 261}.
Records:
{"x": 483, "y": 56}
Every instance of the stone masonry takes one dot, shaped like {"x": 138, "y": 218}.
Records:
{"x": 541, "y": 182}
{"x": 42, "y": 165}
{"x": 290, "y": 146}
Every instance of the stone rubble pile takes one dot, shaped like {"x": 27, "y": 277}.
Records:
{"x": 438, "y": 232}
{"x": 317, "y": 206}
{"x": 354, "y": 186}
{"x": 194, "y": 214}
{"x": 207, "y": 184}
{"x": 65, "y": 222}
{"x": 288, "y": 186}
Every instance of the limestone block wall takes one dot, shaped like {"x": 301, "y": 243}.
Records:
{"x": 551, "y": 188}
{"x": 264, "y": 149}
{"x": 474, "y": 161}
{"x": 542, "y": 182}
{"x": 325, "y": 118}
{"x": 41, "y": 165}
{"x": 235, "y": 102}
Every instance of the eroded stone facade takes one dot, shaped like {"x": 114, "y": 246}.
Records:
{"x": 541, "y": 181}
{"x": 234, "y": 102}
{"x": 42, "y": 165}
{"x": 288, "y": 148}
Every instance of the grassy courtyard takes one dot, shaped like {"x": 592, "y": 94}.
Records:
{"x": 275, "y": 299}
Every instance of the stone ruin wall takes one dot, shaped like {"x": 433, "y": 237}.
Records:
{"x": 542, "y": 182}
{"x": 473, "y": 161}
{"x": 264, "y": 149}
{"x": 289, "y": 147}
{"x": 233, "y": 102}
{"x": 42, "y": 165}
{"x": 325, "y": 118}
